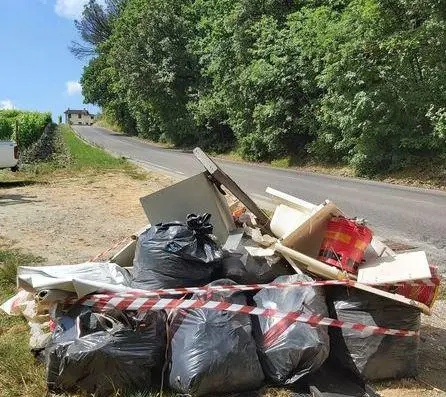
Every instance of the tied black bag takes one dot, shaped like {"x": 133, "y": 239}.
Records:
{"x": 213, "y": 352}
{"x": 121, "y": 357}
{"x": 171, "y": 255}
{"x": 290, "y": 350}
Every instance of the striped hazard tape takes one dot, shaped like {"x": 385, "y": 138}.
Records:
{"x": 227, "y": 288}
{"x": 236, "y": 287}
{"x": 138, "y": 303}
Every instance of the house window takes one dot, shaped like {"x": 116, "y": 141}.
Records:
{"x": 79, "y": 115}
{"x": 69, "y": 115}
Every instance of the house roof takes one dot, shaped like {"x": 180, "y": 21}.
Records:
{"x": 74, "y": 111}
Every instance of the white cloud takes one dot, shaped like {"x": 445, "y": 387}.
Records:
{"x": 6, "y": 104}
{"x": 71, "y": 9}
{"x": 73, "y": 88}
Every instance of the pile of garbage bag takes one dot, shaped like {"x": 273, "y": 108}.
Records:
{"x": 275, "y": 304}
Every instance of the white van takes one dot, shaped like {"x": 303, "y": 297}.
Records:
{"x": 9, "y": 155}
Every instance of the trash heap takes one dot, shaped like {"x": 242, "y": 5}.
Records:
{"x": 230, "y": 300}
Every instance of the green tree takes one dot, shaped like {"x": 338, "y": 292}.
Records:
{"x": 155, "y": 73}
{"x": 381, "y": 75}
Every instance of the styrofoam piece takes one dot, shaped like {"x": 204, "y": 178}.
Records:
{"x": 406, "y": 266}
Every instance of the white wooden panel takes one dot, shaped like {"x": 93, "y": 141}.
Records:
{"x": 392, "y": 269}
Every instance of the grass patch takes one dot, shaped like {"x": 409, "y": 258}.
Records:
{"x": 20, "y": 375}
{"x": 10, "y": 260}
{"x": 77, "y": 157}
{"x": 284, "y": 162}
{"x": 86, "y": 157}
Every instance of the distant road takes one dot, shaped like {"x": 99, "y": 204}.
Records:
{"x": 416, "y": 217}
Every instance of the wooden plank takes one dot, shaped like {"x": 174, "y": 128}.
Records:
{"x": 313, "y": 265}
{"x": 330, "y": 272}
{"x": 396, "y": 297}
{"x": 221, "y": 177}
{"x": 291, "y": 200}
{"x": 406, "y": 266}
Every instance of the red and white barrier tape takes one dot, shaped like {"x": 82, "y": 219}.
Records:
{"x": 101, "y": 254}
{"x": 225, "y": 288}
{"x": 145, "y": 304}
{"x": 235, "y": 287}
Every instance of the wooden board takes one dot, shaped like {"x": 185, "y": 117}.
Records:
{"x": 222, "y": 178}
{"x": 406, "y": 266}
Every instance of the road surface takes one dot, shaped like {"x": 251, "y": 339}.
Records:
{"x": 412, "y": 216}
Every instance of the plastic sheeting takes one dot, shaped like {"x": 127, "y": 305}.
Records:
{"x": 373, "y": 356}
{"x": 103, "y": 362}
{"x": 170, "y": 255}
{"x": 289, "y": 350}
{"x": 248, "y": 264}
{"x": 213, "y": 352}
{"x": 60, "y": 277}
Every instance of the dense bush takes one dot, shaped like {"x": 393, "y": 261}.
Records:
{"x": 359, "y": 82}
{"x": 30, "y": 124}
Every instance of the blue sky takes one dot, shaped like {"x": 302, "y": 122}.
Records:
{"x": 37, "y": 71}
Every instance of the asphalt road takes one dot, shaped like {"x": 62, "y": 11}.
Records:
{"x": 412, "y": 216}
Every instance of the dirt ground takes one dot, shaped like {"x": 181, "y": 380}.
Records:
{"x": 71, "y": 220}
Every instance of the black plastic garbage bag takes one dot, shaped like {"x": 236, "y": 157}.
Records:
{"x": 63, "y": 335}
{"x": 290, "y": 350}
{"x": 213, "y": 352}
{"x": 373, "y": 356}
{"x": 170, "y": 255}
{"x": 247, "y": 264}
{"x": 103, "y": 362}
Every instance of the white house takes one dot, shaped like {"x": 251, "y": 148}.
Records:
{"x": 78, "y": 117}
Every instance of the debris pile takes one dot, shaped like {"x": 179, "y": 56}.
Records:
{"x": 230, "y": 301}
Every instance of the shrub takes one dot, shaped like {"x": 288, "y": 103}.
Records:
{"x": 31, "y": 125}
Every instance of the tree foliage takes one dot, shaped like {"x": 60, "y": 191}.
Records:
{"x": 359, "y": 82}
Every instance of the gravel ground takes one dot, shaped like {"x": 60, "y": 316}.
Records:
{"x": 71, "y": 220}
